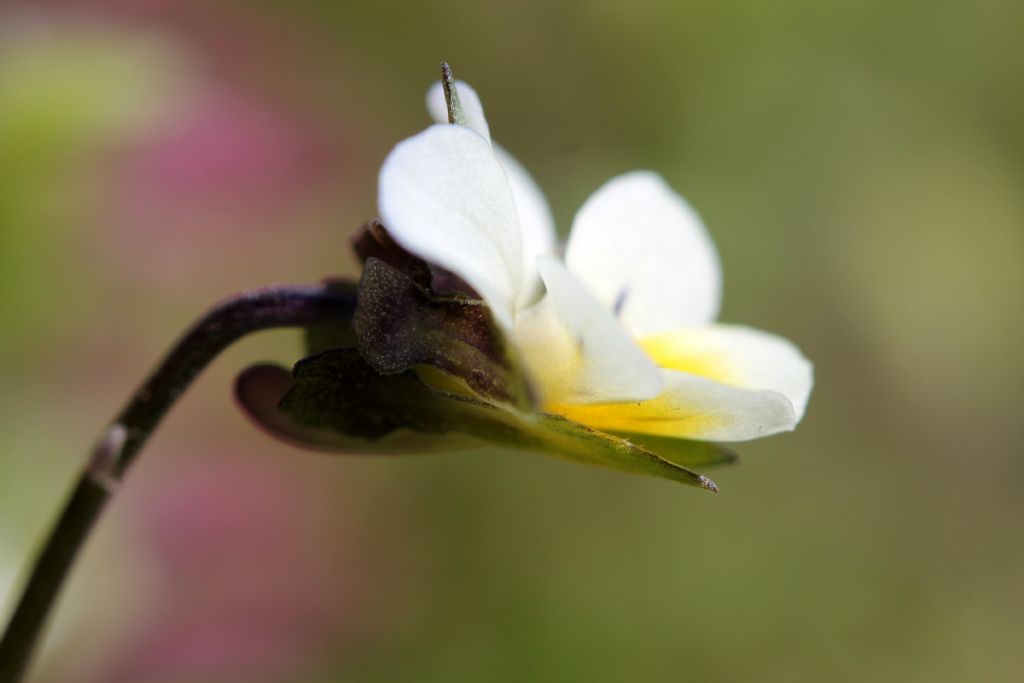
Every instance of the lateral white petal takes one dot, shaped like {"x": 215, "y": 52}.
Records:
{"x": 738, "y": 356}
{"x": 692, "y": 407}
{"x": 645, "y": 253}
{"x": 444, "y": 196}
{"x": 575, "y": 349}
{"x": 535, "y": 221}
{"x": 472, "y": 108}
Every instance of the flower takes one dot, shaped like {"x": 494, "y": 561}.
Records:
{"x": 624, "y": 338}
{"x": 609, "y": 355}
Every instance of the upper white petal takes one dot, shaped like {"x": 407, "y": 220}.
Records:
{"x": 472, "y": 108}
{"x": 576, "y": 350}
{"x": 535, "y": 219}
{"x": 644, "y": 252}
{"x": 444, "y": 196}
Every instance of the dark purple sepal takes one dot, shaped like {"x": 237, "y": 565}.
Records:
{"x": 374, "y": 241}
{"x": 261, "y": 388}
{"x": 398, "y": 325}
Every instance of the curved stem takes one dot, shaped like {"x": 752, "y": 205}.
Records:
{"x": 225, "y": 323}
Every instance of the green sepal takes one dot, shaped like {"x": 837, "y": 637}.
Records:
{"x": 685, "y": 452}
{"x": 339, "y": 392}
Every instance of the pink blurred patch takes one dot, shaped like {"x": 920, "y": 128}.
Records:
{"x": 217, "y": 186}
{"x": 249, "y": 584}
{"x": 224, "y": 153}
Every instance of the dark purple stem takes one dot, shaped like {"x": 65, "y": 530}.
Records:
{"x": 225, "y": 323}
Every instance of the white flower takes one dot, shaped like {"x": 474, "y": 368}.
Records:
{"x": 623, "y": 338}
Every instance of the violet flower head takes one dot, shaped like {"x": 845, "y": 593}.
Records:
{"x": 468, "y": 324}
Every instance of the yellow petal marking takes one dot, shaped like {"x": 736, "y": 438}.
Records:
{"x": 690, "y": 351}
{"x": 683, "y": 350}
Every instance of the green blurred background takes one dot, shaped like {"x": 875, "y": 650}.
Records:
{"x": 860, "y": 167}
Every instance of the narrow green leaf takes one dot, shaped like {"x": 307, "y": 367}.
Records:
{"x": 685, "y": 452}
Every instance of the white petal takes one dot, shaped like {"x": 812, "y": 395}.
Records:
{"x": 472, "y": 108}
{"x": 535, "y": 221}
{"x": 645, "y": 253}
{"x": 575, "y": 349}
{"x": 443, "y": 196}
{"x": 738, "y": 356}
{"x": 692, "y": 407}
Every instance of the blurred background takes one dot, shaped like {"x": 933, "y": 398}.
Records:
{"x": 860, "y": 167}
